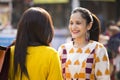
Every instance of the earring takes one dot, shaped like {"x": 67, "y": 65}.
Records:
{"x": 87, "y": 36}
{"x": 72, "y": 39}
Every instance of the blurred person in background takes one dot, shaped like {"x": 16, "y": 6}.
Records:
{"x": 104, "y": 37}
{"x": 113, "y": 50}
{"x": 84, "y": 58}
{"x": 112, "y": 29}
{"x": 114, "y": 56}
{"x": 113, "y": 33}
{"x": 118, "y": 23}
{"x": 32, "y": 58}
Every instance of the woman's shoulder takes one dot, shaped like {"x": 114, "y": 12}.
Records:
{"x": 100, "y": 48}
{"x": 42, "y": 49}
{"x": 51, "y": 49}
{"x": 101, "y": 45}
{"x": 97, "y": 43}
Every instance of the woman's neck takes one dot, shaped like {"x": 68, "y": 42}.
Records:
{"x": 80, "y": 43}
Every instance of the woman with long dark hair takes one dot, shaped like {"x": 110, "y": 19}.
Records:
{"x": 84, "y": 58}
{"x": 32, "y": 58}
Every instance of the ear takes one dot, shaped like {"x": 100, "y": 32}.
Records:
{"x": 89, "y": 26}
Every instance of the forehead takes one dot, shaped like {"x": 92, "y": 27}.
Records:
{"x": 76, "y": 15}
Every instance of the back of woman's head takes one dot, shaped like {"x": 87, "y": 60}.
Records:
{"x": 38, "y": 26}
{"x": 35, "y": 28}
{"x": 90, "y": 17}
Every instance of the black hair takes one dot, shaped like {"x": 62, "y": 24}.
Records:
{"x": 90, "y": 17}
{"x": 35, "y": 28}
{"x": 113, "y": 44}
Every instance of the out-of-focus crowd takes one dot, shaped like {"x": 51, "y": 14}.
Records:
{"x": 111, "y": 39}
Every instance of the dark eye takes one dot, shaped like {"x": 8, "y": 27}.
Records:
{"x": 70, "y": 23}
{"x": 78, "y": 23}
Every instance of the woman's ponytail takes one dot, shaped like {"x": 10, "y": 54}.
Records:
{"x": 95, "y": 30}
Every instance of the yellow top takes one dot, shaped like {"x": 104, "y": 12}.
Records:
{"x": 42, "y": 63}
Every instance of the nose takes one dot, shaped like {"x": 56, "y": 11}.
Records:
{"x": 73, "y": 26}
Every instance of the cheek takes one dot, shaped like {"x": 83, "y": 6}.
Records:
{"x": 84, "y": 31}
{"x": 69, "y": 27}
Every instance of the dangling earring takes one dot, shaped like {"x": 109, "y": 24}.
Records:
{"x": 72, "y": 40}
{"x": 87, "y": 36}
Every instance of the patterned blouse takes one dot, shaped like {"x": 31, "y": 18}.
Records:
{"x": 88, "y": 63}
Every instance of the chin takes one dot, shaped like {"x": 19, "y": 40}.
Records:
{"x": 74, "y": 36}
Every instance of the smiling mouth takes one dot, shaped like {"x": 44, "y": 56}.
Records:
{"x": 75, "y": 32}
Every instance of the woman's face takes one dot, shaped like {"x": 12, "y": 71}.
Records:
{"x": 78, "y": 26}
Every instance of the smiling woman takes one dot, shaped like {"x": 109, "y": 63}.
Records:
{"x": 84, "y": 58}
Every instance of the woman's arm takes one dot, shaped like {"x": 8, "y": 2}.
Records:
{"x": 102, "y": 70}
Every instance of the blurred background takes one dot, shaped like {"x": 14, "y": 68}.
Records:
{"x": 108, "y": 11}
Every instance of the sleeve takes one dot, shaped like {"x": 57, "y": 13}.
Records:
{"x": 62, "y": 53}
{"x": 60, "y": 50}
{"x": 63, "y": 56}
{"x": 102, "y": 70}
{"x": 55, "y": 72}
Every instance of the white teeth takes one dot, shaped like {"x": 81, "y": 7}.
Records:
{"x": 75, "y": 31}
